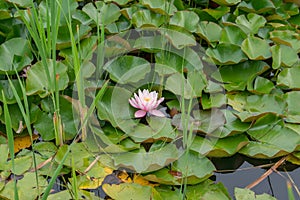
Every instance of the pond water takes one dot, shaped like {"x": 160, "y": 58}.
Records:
{"x": 246, "y": 174}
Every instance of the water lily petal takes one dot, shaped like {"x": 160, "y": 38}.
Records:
{"x": 133, "y": 102}
{"x": 157, "y": 113}
{"x": 140, "y": 113}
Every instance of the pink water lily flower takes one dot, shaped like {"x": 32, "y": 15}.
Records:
{"x": 146, "y": 102}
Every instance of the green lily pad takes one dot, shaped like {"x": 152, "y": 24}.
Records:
{"x": 119, "y": 2}
{"x": 219, "y": 147}
{"x": 233, "y": 125}
{"x": 158, "y": 129}
{"x": 64, "y": 39}
{"x": 119, "y": 26}
{"x": 257, "y": 6}
{"x": 127, "y": 69}
{"x": 207, "y": 190}
{"x": 261, "y": 86}
{"x": 293, "y": 109}
{"x": 249, "y": 69}
{"x": 262, "y": 150}
{"x": 251, "y": 23}
{"x": 288, "y": 78}
{"x": 214, "y": 100}
{"x": 188, "y": 88}
{"x": 269, "y": 130}
{"x": 286, "y": 37}
{"x": 126, "y": 191}
{"x": 7, "y": 90}
{"x": 147, "y": 18}
{"x": 255, "y": 106}
{"x": 37, "y": 83}
{"x": 102, "y": 13}
{"x": 218, "y": 12}
{"x": 283, "y": 55}
{"x": 232, "y": 34}
{"x": 226, "y": 54}
{"x": 256, "y": 48}
{"x": 160, "y": 6}
{"x": 179, "y": 37}
{"x": 22, "y": 3}
{"x": 27, "y": 183}
{"x": 227, "y": 2}
{"x": 114, "y": 107}
{"x": 193, "y": 164}
{"x": 15, "y": 54}
{"x": 185, "y": 19}
{"x": 44, "y": 123}
{"x": 243, "y": 194}
{"x": 209, "y": 31}
{"x": 141, "y": 161}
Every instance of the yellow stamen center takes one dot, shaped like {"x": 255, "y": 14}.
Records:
{"x": 147, "y": 99}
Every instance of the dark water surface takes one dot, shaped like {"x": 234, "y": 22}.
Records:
{"x": 275, "y": 184}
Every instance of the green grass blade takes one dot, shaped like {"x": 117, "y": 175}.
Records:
{"x": 10, "y": 138}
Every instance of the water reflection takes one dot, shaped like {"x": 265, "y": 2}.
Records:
{"x": 247, "y": 173}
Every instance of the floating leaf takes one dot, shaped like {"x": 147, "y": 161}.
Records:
{"x": 219, "y": 147}
{"x": 293, "y": 109}
{"x": 37, "y": 82}
{"x": 209, "y": 31}
{"x": 226, "y": 54}
{"x": 119, "y": 2}
{"x": 15, "y": 54}
{"x": 186, "y": 19}
{"x": 232, "y": 34}
{"x": 283, "y": 55}
{"x": 188, "y": 88}
{"x": 262, "y": 150}
{"x": 251, "y": 24}
{"x": 207, "y": 190}
{"x": 269, "y": 130}
{"x": 143, "y": 162}
{"x": 64, "y": 39}
{"x": 286, "y": 37}
{"x": 243, "y": 194}
{"x": 261, "y": 86}
{"x": 127, "y": 69}
{"x": 146, "y": 18}
{"x": 232, "y": 126}
{"x": 227, "y": 2}
{"x": 249, "y": 69}
{"x": 257, "y": 6}
{"x": 126, "y": 191}
{"x": 218, "y": 12}
{"x": 193, "y": 164}
{"x": 159, "y": 6}
{"x": 102, "y": 13}
{"x": 256, "y": 48}
{"x": 289, "y": 78}
{"x": 5, "y": 86}
{"x": 255, "y": 106}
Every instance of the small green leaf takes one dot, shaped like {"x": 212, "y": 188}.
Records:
{"x": 102, "y": 13}
{"x": 261, "y": 86}
{"x": 127, "y": 69}
{"x": 293, "y": 109}
{"x": 209, "y": 31}
{"x": 226, "y": 54}
{"x": 147, "y": 18}
{"x": 159, "y": 6}
{"x": 245, "y": 194}
{"x": 37, "y": 83}
{"x": 289, "y": 78}
{"x": 256, "y": 48}
{"x": 286, "y": 37}
{"x": 185, "y": 19}
{"x": 227, "y": 2}
{"x": 15, "y": 54}
{"x": 232, "y": 34}
{"x": 251, "y": 24}
{"x": 283, "y": 55}
{"x": 257, "y": 6}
